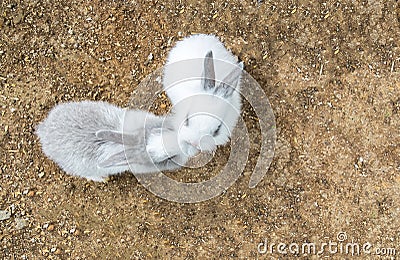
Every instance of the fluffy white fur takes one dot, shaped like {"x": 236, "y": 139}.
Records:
{"x": 90, "y": 139}
{"x": 206, "y": 109}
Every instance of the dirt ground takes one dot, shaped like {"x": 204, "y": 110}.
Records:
{"x": 331, "y": 71}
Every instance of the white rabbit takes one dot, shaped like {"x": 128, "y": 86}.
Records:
{"x": 96, "y": 139}
{"x": 202, "y": 80}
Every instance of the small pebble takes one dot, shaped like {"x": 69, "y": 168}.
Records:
{"x": 18, "y": 18}
{"x": 4, "y": 214}
{"x": 20, "y": 223}
{"x": 246, "y": 173}
{"x": 150, "y": 57}
{"x": 50, "y": 228}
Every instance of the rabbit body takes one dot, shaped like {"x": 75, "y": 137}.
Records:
{"x": 97, "y": 139}
{"x": 202, "y": 80}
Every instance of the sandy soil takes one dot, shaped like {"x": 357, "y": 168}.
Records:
{"x": 332, "y": 74}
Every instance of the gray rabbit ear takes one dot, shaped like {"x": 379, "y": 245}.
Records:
{"x": 131, "y": 155}
{"x": 209, "y": 72}
{"x": 109, "y": 135}
{"x": 135, "y": 138}
{"x": 118, "y": 159}
{"x": 230, "y": 82}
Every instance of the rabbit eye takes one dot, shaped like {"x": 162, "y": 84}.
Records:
{"x": 171, "y": 158}
{"x": 216, "y": 132}
{"x": 186, "y": 121}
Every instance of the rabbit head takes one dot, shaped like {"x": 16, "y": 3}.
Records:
{"x": 207, "y": 118}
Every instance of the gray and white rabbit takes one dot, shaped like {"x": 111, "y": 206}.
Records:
{"x": 97, "y": 139}
{"x": 202, "y": 80}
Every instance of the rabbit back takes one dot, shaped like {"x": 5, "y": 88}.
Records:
{"x": 96, "y": 139}
{"x": 68, "y": 137}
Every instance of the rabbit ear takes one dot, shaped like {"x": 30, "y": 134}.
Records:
{"x": 209, "y": 72}
{"x": 109, "y": 135}
{"x": 118, "y": 159}
{"x": 135, "y": 138}
{"x": 228, "y": 85}
{"x": 131, "y": 155}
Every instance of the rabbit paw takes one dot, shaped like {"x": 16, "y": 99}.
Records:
{"x": 155, "y": 148}
{"x": 98, "y": 178}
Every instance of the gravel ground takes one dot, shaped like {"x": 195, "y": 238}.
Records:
{"x": 331, "y": 71}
